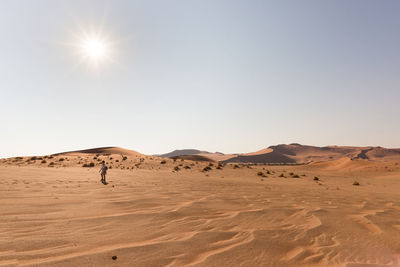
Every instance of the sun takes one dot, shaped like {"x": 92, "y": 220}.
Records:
{"x": 94, "y": 49}
{"x": 94, "y": 45}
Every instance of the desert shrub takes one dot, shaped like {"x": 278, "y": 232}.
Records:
{"x": 296, "y": 176}
{"x": 176, "y": 168}
{"x": 19, "y": 158}
{"x": 110, "y": 167}
{"x": 43, "y": 161}
{"x": 316, "y": 178}
{"x": 210, "y": 164}
{"x": 51, "y": 164}
{"x": 219, "y": 168}
{"x": 291, "y": 174}
{"x": 116, "y": 160}
{"x": 61, "y": 159}
{"x": 268, "y": 172}
{"x": 111, "y": 158}
{"x": 260, "y": 174}
{"x": 236, "y": 166}
{"x": 95, "y": 158}
{"x": 207, "y": 168}
{"x": 124, "y": 158}
{"x": 175, "y": 160}
{"x": 90, "y": 165}
{"x": 356, "y": 183}
{"x": 282, "y": 175}
{"x": 50, "y": 157}
{"x": 187, "y": 167}
{"x": 163, "y": 162}
{"x": 33, "y": 158}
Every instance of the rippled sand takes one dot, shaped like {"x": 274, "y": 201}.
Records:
{"x": 228, "y": 217}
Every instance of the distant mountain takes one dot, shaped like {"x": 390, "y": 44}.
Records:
{"x": 203, "y": 155}
{"x": 182, "y": 152}
{"x": 193, "y": 158}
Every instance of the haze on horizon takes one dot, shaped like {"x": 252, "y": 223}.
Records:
{"x": 229, "y": 76}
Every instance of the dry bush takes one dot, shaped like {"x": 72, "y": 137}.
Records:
{"x": 207, "y": 168}
{"x": 90, "y": 165}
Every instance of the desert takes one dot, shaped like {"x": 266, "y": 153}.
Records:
{"x": 160, "y": 211}
{"x": 208, "y": 133}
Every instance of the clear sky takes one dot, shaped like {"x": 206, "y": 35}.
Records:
{"x": 230, "y": 76}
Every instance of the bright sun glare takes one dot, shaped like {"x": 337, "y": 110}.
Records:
{"x": 94, "y": 49}
{"x": 94, "y": 45}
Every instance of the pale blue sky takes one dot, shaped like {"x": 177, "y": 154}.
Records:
{"x": 230, "y": 76}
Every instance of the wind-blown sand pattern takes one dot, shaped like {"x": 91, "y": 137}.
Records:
{"x": 151, "y": 215}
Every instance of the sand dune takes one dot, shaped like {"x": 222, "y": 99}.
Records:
{"x": 217, "y": 156}
{"x": 102, "y": 150}
{"x": 259, "y": 152}
{"x": 296, "y": 153}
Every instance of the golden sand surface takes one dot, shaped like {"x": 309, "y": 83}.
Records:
{"x": 152, "y": 214}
